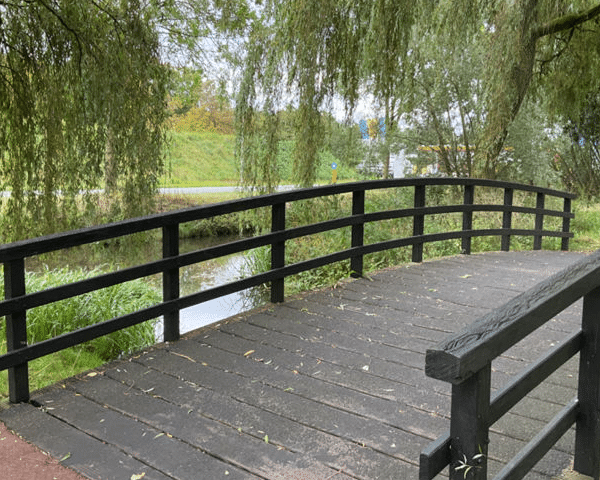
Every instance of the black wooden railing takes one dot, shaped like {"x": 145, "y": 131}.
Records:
{"x": 17, "y": 301}
{"x": 465, "y": 359}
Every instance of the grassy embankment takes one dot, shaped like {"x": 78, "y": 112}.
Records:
{"x": 207, "y": 160}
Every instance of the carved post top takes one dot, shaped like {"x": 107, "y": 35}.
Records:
{"x": 461, "y": 355}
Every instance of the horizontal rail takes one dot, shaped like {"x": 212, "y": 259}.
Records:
{"x": 17, "y": 301}
{"x": 58, "y": 241}
{"x": 540, "y": 444}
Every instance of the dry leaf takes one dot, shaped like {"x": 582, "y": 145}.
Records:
{"x": 249, "y": 352}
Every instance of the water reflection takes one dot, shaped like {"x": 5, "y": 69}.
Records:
{"x": 227, "y": 270}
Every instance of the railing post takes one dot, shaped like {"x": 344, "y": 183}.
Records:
{"x": 16, "y": 330}
{"x": 418, "y": 223}
{"x": 539, "y": 222}
{"x": 587, "y": 437}
{"x": 507, "y": 218}
{"x": 277, "y": 251}
{"x": 468, "y": 218}
{"x": 469, "y": 426}
{"x": 564, "y": 246}
{"x": 358, "y": 232}
{"x": 170, "y": 234}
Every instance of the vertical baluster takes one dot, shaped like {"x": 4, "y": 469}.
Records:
{"x": 358, "y": 231}
{"x": 539, "y": 222}
{"x": 469, "y": 425}
{"x": 277, "y": 251}
{"x": 170, "y": 239}
{"x": 418, "y": 223}
{"x": 16, "y": 330}
{"x": 564, "y": 246}
{"x": 507, "y": 218}
{"x": 469, "y": 196}
{"x": 587, "y": 437}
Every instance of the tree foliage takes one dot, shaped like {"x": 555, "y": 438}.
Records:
{"x": 82, "y": 106}
{"x": 578, "y": 162}
{"x": 199, "y": 105}
{"x": 485, "y": 57}
{"x": 83, "y": 99}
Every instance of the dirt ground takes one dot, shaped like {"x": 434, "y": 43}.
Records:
{"x": 20, "y": 460}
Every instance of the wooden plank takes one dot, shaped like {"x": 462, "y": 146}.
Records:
{"x": 329, "y": 449}
{"x": 74, "y": 448}
{"x": 156, "y": 447}
{"x": 257, "y": 456}
{"x": 306, "y": 386}
{"x": 285, "y": 402}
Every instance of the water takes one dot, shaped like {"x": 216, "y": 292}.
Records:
{"x": 220, "y": 308}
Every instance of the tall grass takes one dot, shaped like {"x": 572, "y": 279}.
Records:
{"x": 51, "y": 320}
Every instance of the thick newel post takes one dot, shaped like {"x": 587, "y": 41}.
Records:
{"x": 418, "y": 223}
{"x": 358, "y": 232}
{"x": 587, "y": 438}
{"x": 171, "y": 282}
{"x": 16, "y": 330}
{"x": 469, "y": 426}
{"x": 277, "y": 251}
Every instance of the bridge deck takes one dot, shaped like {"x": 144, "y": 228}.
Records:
{"x": 329, "y": 385}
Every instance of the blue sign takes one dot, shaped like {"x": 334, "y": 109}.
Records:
{"x": 364, "y": 129}
{"x": 334, "y": 165}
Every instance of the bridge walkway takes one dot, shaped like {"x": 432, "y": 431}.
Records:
{"x": 328, "y": 385}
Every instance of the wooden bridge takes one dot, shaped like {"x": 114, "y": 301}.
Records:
{"x": 329, "y": 385}
{"x": 332, "y": 383}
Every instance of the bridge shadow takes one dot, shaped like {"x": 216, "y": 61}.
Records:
{"x": 328, "y": 385}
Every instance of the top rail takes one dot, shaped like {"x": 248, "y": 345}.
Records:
{"x": 17, "y": 301}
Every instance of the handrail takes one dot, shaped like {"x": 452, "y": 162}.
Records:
{"x": 17, "y": 301}
{"x": 464, "y": 360}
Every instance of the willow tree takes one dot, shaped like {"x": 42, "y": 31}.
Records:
{"x": 82, "y": 105}
{"x": 313, "y": 52}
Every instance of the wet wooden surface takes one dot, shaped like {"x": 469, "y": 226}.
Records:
{"x": 328, "y": 385}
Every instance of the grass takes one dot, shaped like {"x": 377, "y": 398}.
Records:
{"x": 205, "y": 159}
{"x": 200, "y": 160}
{"x": 51, "y": 320}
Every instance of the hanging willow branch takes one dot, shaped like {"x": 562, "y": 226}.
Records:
{"x": 82, "y": 106}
